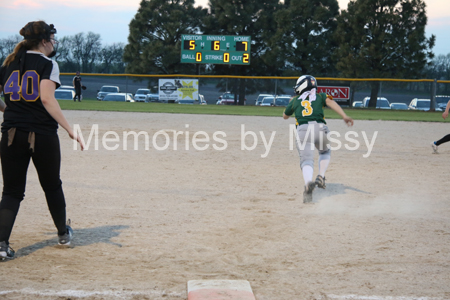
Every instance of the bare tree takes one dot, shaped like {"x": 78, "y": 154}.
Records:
{"x": 111, "y": 58}
{"x": 7, "y": 46}
{"x": 86, "y": 50}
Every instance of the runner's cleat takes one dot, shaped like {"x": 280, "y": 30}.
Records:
{"x": 65, "y": 239}
{"x": 320, "y": 182}
{"x": 307, "y": 194}
{"x": 434, "y": 147}
{"x": 6, "y": 252}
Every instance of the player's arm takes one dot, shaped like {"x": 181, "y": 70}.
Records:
{"x": 334, "y": 106}
{"x": 445, "y": 113}
{"x": 288, "y": 111}
{"x": 73, "y": 82}
{"x": 52, "y": 106}
{"x": 2, "y": 104}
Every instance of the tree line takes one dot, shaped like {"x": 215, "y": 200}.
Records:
{"x": 81, "y": 52}
{"x": 370, "y": 39}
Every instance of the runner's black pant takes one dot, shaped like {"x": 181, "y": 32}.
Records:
{"x": 15, "y": 160}
{"x": 443, "y": 140}
{"x": 77, "y": 93}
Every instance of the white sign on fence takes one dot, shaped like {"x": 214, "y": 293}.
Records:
{"x": 178, "y": 89}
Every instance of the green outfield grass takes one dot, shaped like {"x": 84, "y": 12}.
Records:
{"x": 357, "y": 114}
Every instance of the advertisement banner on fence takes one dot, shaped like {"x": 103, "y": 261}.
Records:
{"x": 178, "y": 89}
{"x": 337, "y": 92}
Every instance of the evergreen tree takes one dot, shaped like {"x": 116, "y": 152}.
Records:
{"x": 305, "y": 36}
{"x": 154, "y": 42}
{"x": 247, "y": 18}
{"x": 383, "y": 39}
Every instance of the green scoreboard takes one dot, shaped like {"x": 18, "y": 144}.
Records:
{"x": 215, "y": 49}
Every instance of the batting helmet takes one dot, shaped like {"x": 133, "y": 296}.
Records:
{"x": 305, "y": 83}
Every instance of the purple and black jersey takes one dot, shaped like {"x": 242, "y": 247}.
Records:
{"x": 77, "y": 82}
{"x": 24, "y": 108}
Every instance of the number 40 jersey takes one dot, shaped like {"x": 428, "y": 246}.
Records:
{"x": 24, "y": 108}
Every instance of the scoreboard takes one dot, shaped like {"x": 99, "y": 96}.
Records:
{"x": 215, "y": 49}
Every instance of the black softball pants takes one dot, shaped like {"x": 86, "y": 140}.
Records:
{"x": 15, "y": 159}
{"x": 445, "y": 139}
{"x": 77, "y": 93}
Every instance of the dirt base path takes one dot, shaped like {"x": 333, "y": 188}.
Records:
{"x": 147, "y": 221}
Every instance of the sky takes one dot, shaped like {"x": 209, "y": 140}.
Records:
{"x": 110, "y": 18}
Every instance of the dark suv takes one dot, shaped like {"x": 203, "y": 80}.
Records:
{"x": 441, "y": 101}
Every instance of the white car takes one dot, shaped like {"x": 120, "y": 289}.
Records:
{"x": 64, "y": 94}
{"x": 268, "y": 101}
{"x": 66, "y": 87}
{"x": 282, "y": 100}
{"x": 399, "y": 106}
{"x": 105, "y": 90}
{"x": 421, "y": 104}
{"x": 201, "y": 100}
{"x": 119, "y": 97}
{"x": 260, "y": 97}
{"x": 357, "y": 104}
{"x": 382, "y": 103}
{"x": 141, "y": 95}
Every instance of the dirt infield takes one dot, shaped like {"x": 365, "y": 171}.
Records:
{"x": 147, "y": 221}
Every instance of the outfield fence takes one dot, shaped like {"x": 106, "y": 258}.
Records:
{"x": 212, "y": 86}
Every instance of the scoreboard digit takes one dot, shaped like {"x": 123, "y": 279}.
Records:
{"x": 215, "y": 49}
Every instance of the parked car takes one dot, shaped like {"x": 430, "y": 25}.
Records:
{"x": 268, "y": 101}
{"x": 105, "y": 90}
{"x": 441, "y": 101}
{"x": 227, "y": 99}
{"x": 152, "y": 97}
{"x": 66, "y": 87}
{"x": 401, "y": 106}
{"x": 141, "y": 95}
{"x": 421, "y": 104}
{"x": 382, "y": 103}
{"x": 201, "y": 100}
{"x": 282, "y": 100}
{"x": 260, "y": 97}
{"x": 226, "y": 95}
{"x": 64, "y": 94}
{"x": 119, "y": 97}
{"x": 357, "y": 104}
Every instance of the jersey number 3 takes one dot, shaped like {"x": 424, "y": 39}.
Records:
{"x": 29, "y": 90}
{"x": 307, "y": 109}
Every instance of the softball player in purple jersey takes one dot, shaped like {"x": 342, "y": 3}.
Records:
{"x": 312, "y": 130}
{"x": 28, "y": 78}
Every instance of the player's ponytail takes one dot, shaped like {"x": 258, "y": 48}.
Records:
{"x": 10, "y": 58}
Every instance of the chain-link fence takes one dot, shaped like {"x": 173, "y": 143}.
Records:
{"x": 395, "y": 90}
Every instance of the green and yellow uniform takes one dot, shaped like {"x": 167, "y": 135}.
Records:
{"x": 306, "y": 111}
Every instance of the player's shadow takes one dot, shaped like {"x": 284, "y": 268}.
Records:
{"x": 82, "y": 237}
{"x": 333, "y": 189}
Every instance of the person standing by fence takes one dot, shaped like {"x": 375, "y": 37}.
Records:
{"x": 77, "y": 85}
